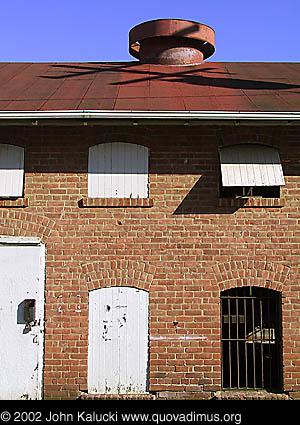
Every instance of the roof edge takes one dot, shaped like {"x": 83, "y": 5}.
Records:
{"x": 149, "y": 115}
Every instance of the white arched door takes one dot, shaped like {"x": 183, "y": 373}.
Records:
{"x": 21, "y": 318}
{"x": 118, "y": 340}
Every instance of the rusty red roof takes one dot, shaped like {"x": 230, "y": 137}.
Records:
{"x": 211, "y": 86}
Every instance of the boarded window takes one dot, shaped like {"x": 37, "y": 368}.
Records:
{"x": 250, "y": 170}
{"x": 251, "y": 338}
{"x": 118, "y": 340}
{"x": 118, "y": 170}
{"x": 11, "y": 171}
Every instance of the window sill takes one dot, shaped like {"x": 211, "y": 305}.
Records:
{"x": 115, "y": 203}
{"x": 14, "y": 203}
{"x": 251, "y": 202}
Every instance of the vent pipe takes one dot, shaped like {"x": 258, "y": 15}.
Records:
{"x": 171, "y": 42}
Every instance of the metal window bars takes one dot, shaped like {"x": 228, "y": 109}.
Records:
{"x": 251, "y": 338}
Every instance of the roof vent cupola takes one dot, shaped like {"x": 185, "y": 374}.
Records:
{"x": 171, "y": 42}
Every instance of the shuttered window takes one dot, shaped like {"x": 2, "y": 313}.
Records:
{"x": 118, "y": 340}
{"x": 250, "y": 165}
{"x": 11, "y": 171}
{"x": 250, "y": 170}
{"x": 118, "y": 170}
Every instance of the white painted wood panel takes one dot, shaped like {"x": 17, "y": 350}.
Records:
{"x": 118, "y": 340}
{"x": 11, "y": 170}
{"x": 118, "y": 170}
{"x": 21, "y": 348}
{"x": 250, "y": 165}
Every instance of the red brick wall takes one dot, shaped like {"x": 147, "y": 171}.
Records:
{"x": 184, "y": 249}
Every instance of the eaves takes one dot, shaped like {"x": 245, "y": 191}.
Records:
{"x": 118, "y": 117}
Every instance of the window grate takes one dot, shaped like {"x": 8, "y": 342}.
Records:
{"x": 251, "y": 338}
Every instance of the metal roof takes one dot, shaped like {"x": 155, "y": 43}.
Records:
{"x": 132, "y": 86}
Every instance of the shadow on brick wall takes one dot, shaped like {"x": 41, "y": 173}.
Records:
{"x": 203, "y": 198}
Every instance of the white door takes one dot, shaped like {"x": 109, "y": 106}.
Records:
{"x": 118, "y": 340}
{"x": 21, "y": 321}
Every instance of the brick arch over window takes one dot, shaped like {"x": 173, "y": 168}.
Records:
{"x": 231, "y": 137}
{"x": 251, "y": 273}
{"x": 118, "y": 273}
{"x": 22, "y": 223}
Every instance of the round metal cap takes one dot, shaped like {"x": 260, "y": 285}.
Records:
{"x": 171, "y": 42}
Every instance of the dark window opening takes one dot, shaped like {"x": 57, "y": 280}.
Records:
{"x": 249, "y": 191}
{"x": 251, "y": 339}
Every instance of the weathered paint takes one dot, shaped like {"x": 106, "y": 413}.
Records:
{"x": 118, "y": 170}
{"x": 11, "y": 170}
{"x": 250, "y": 165}
{"x": 118, "y": 340}
{"x": 21, "y": 349}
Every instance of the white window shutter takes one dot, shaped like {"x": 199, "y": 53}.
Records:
{"x": 251, "y": 165}
{"x": 11, "y": 171}
{"x": 118, "y": 170}
{"x": 118, "y": 340}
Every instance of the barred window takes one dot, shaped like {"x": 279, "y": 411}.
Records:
{"x": 251, "y": 338}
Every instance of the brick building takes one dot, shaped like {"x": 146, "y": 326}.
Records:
{"x": 149, "y": 215}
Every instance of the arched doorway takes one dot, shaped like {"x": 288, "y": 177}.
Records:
{"x": 118, "y": 340}
{"x": 251, "y": 338}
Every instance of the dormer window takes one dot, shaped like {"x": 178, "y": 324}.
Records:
{"x": 118, "y": 170}
{"x": 250, "y": 170}
{"x": 11, "y": 171}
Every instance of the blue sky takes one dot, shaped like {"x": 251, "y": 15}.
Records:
{"x": 97, "y": 30}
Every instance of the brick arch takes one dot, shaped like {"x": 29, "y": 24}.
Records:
{"x": 249, "y": 141}
{"x": 251, "y": 273}
{"x": 22, "y": 223}
{"x": 231, "y": 137}
{"x": 107, "y": 273}
{"x": 125, "y": 137}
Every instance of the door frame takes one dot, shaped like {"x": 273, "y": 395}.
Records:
{"x": 28, "y": 241}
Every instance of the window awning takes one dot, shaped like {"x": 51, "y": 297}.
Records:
{"x": 250, "y": 165}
